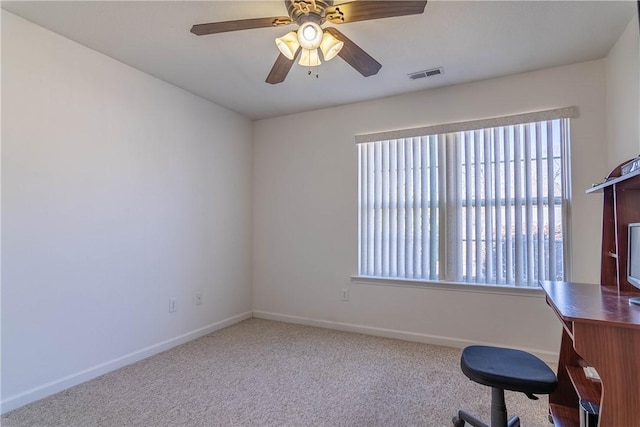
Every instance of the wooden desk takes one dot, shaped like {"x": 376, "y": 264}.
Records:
{"x": 602, "y": 330}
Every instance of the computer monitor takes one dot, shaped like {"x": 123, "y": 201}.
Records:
{"x": 633, "y": 259}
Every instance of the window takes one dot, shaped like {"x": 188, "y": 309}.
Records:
{"x": 476, "y": 202}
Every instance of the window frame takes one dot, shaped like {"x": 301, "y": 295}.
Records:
{"x": 520, "y": 119}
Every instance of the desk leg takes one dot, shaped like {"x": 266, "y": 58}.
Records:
{"x": 613, "y": 351}
{"x": 565, "y": 394}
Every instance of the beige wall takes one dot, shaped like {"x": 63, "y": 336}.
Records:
{"x": 623, "y": 97}
{"x": 305, "y": 222}
{"x": 119, "y": 191}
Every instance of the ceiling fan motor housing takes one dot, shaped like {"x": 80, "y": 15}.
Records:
{"x": 302, "y": 11}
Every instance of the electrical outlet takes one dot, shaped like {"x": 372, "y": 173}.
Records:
{"x": 198, "y": 298}
{"x": 173, "y": 304}
{"x": 344, "y": 294}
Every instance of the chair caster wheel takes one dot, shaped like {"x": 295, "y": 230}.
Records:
{"x": 457, "y": 422}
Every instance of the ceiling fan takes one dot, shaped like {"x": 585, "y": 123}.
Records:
{"x": 310, "y": 37}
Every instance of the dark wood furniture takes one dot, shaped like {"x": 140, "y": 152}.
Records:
{"x": 601, "y": 329}
{"x": 621, "y": 206}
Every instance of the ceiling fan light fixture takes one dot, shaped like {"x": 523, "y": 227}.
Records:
{"x": 310, "y": 35}
{"x": 309, "y": 58}
{"x": 330, "y": 46}
{"x": 288, "y": 44}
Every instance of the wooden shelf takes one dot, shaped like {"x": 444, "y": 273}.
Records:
{"x": 611, "y": 181}
{"x": 587, "y": 389}
{"x": 564, "y": 416}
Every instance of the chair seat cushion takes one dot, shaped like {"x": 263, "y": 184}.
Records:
{"x": 508, "y": 369}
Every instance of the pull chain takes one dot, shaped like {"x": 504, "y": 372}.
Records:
{"x": 310, "y": 67}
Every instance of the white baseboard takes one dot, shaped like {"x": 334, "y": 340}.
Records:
{"x": 64, "y": 383}
{"x": 547, "y": 356}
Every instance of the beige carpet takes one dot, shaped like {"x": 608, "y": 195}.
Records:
{"x": 265, "y": 373}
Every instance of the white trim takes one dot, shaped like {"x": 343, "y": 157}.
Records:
{"x": 64, "y": 383}
{"x": 547, "y": 356}
{"x": 535, "y": 292}
{"x": 516, "y": 119}
{"x": 566, "y": 202}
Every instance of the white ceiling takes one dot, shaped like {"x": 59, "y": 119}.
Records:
{"x": 471, "y": 40}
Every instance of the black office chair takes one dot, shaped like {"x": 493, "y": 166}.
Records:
{"x": 503, "y": 369}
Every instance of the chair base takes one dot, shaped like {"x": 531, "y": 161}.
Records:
{"x": 498, "y": 414}
{"x": 464, "y": 417}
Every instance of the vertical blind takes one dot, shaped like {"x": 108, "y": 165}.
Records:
{"x": 399, "y": 221}
{"x": 485, "y": 205}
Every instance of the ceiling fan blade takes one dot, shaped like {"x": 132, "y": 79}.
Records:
{"x": 354, "y": 55}
{"x": 281, "y": 68}
{"x": 242, "y": 24}
{"x": 366, "y": 9}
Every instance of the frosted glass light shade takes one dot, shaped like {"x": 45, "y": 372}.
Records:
{"x": 330, "y": 46}
{"x": 309, "y": 58}
{"x": 288, "y": 44}
{"x": 309, "y": 35}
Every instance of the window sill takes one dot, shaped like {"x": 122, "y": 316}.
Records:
{"x": 536, "y": 292}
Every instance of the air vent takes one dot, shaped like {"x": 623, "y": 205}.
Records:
{"x": 426, "y": 73}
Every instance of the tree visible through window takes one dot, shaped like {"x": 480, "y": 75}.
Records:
{"x": 484, "y": 205}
